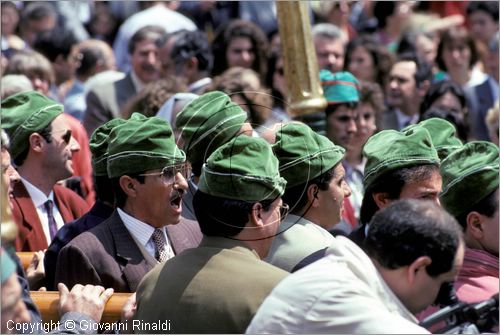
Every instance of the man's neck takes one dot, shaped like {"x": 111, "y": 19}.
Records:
{"x": 38, "y": 179}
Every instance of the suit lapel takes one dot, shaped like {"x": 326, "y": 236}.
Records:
{"x": 135, "y": 266}
{"x": 124, "y": 89}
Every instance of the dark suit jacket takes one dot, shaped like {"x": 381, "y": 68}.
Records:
{"x": 107, "y": 255}
{"x": 31, "y": 236}
{"x": 97, "y": 214}
{"x": 480, "y": 101}
{"x": 390, "y": 120}
{"x": 105, "y": 102}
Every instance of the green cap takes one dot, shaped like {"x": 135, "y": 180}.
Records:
{"x": 99, "y": 146}
{"x": 442, "y": 135}
{"x": 208, "y": 122}
{"x": 26, "y": 113}
{"x": 391, "y": 150}
{"x": 140, "y": 144}
{"x": 8, "y": 265}
{"x": 469, "y": 175}
{"x": 339, "y": 87}
{"x": 245, "y": 168}
{"x": 303, "y": 154}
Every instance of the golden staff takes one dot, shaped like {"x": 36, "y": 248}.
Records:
{"x": 299, "y": 58}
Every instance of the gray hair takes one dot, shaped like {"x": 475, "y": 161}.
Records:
{"x": 15, "y": 83}
{"x": 328, "y": 30}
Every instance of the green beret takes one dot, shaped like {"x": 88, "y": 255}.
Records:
{"x": 303, "y": 154}
{"x": 26, "y": 113}
{"x": 469, "y": 175}
{"x": 391, "y": 150}
{"x": 339, "y": 87}
{"x": 140, "y": 144}
{"x": 8, "y": 265}
{"x": 245, "y": 169}
{"x": 99, "y": 146}
{"x": 207, "y": 122}
{"x": 442, "y": 135}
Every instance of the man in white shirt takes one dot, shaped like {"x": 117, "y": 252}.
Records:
{"x": 413, "y": 248}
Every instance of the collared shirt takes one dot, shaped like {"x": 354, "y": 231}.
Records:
{"x": 405, "y": 120}
{"x": 138, "y": 84}
{"x": 39, "y": 199}
{"x": 142, "y": 232}
{"x": 195, "y": 86}
{"x": 354, "y": 177}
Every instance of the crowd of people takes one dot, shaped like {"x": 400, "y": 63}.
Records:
{"x": 148, "y": 148}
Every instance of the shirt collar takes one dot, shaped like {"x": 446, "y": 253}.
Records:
{"x": 37, "y": 196}
{"x": 140, "y": 230}
{"x": 405, "y": 120}
{"x": 138, "y": 84}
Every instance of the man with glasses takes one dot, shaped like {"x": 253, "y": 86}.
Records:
{"x": 218, "y": 286}
{"x": 316, "y": 189}
{"x": 146, "y": 170}
{"x": 41, "y": 148}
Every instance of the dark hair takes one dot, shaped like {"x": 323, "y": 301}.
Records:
{"x": 223, "y": 217}
{"x": 278, "y": 98}
{"x": 456, "y": 35}
{"x": 372, "y": 94}
{"x": 330, "y": 109}
{"x": 36, "y": 11}
{"x": 409, "y": 229}
{"x": 382, "y": 10}
{"x": 104, "y": 189}
{"x": 120, "y": 196}
{"x": 424, "y": 69}
{"x": 382, "y": 58}
{"x": 54, "y": 43}
{"x": 147, "y": 33}
{"x": 46, "y": 135}
{"x": 392, "y": 183}
{"x": 486, "y": 206}
{"x": 190, "y": 44}
{"x": 440, "y": 88}
{"x": 235, "y": 29}
{"x": 488, "y": 7}
{"x": 296, "y": 196}
{"x": 461, "y": 126}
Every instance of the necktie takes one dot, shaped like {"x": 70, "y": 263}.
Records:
{"x": 52, "y": 222}
{"x": 161, "y": 253}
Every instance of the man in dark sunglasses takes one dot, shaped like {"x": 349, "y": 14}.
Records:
{"x": 42, "y": 147}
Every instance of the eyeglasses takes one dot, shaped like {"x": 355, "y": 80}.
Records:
{"x": 66, "y": 136}
{"x": 284, "y": 209}
{"x": 169, "y": 173}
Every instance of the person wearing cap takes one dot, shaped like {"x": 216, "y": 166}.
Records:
{"x": 315, "y": 192}
{"x": 414, "y": 249}
{"x": 470, "y": 194}
{"x": 100, "y": 211}
{"x": 41, "y": 147}
{"x": 218, "y": 286}
{"x": 206, "y": 123}
{"x": 146, "y": 171}
{"x": 400, "y": 165}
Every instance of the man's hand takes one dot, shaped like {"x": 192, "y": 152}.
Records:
{"x": 88, "y": 299}
{"x": 128, "y": 312}
{"x": 35, "y": 273}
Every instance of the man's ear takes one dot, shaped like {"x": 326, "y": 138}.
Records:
{"x": 128, "y": 186}
{"x": 382, "y": 199}
{"x": 256, "y": 215}
{"x": 36, "y": 142}
{"x": 423, "y": 88}
{"x": 474, "y": 226}
{"x": 417, "y": 268}
{"x": 312, "y": 195}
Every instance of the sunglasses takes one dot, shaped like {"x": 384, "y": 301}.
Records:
{"x": 284, "y": 209}
{"x": 66, "y": 137}
{"x": 169, "y": 173}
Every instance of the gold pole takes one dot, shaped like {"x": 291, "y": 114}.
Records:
{"x": 299, "y": 58}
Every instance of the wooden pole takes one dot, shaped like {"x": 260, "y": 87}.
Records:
{"x": 299, "y": 58}
{"x": 48, "y": 304}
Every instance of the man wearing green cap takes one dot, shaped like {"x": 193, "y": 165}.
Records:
{"x": 470, "y": 194}
{"x": 102, "y": 209}
{"x": 315, "y": 192}
{"x": 41, "y": 148}
{"x": 206, "y": 123}
{"x": 218, "y": 286}
{"x": 400, "y": 165}
{"x": 146, "y": 171}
